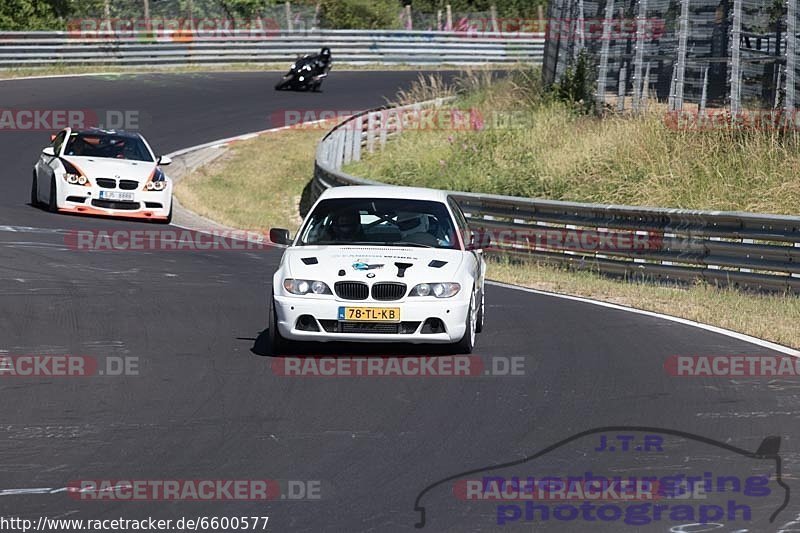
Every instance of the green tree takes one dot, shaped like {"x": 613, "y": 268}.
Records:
{"x": 20, "y": 15}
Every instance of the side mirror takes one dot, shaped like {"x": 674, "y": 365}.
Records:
{"x": 280, "y": 236}
{"x": 49, "y": 150}
{"x": 478, "y": 243}
{"x": 164, "y": 160}
{"x": 53, "y": 137}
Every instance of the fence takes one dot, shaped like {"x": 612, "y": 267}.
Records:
{"x": 264, "y": 45}
{"x": 734, "y": 53}
{"x": 744, "y": 250}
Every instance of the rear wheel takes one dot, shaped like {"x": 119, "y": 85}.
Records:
{"x": 52, "y": 204}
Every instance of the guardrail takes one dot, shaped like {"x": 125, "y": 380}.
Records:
{"x": 745, "y": 250}
{"x": 34, "y": 49}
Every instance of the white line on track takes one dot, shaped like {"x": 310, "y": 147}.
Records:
{"x": 722, "y": 331}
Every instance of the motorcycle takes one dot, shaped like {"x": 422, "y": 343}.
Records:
{"x": 307, "y": 73}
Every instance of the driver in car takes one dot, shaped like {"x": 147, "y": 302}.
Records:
{"x": 346, "y": 226}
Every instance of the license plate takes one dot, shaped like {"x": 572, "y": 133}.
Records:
{"x": 369, "y": 314}
{"x": 117, "y": 195}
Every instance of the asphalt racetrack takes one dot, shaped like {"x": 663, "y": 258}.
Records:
{"x": 208, "y": 404}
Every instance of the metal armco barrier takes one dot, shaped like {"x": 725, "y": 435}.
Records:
{"x": 32, "y": 49}
{"x": 745, "y": 250}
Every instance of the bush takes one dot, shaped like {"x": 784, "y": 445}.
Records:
{"x": 360, "y": 14}
{"x": 576, "y": 86}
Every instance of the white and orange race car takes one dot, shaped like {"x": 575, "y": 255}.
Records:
{"x": 102, "y": 172}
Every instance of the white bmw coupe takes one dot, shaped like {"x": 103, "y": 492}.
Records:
{"x": 379, "y": 264}
{"x": 102, "y": 172}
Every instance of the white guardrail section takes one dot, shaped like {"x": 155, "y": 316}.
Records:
{"x": 745, "y": 250}
{"x": 30, "y": 49}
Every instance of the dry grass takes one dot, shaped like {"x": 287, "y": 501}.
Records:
{"x": 258, "y": 184}
{"x": 552, "y": 152}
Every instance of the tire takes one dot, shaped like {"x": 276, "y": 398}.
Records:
{"x": 467, "y": 342}
{"x": 34, "y": 191}
{"x": 277, "y": 344}
{"x": 169, "y": 216}
{"x": 479, "y": 322}
{"x": 52, "y": 203}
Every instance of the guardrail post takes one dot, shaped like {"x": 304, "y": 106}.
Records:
{"x": 371, "y": 133}
{"x": 348, "y": 142}
{"x": 338, "y": 151}
{"x": 358, "y": 135}
{"x": 385, "y": 126}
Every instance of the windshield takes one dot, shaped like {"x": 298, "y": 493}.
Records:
{"x": 384, "y": 222}
{"x": 107, "y": 145}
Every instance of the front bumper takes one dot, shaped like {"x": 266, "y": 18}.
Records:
{"x": 153, "y": 205}
{"x": 452, "y": 315}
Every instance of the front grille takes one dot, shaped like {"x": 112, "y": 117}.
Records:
{"x": 370, "y": 327}
{"x": 334, "y": 326}
{"x": 128, "y": 185}
{"x": 388, "y": 291}
{"x": 351, "y": 290}
{"x": 106, "y": 183}
{"x": 109, "y": 204}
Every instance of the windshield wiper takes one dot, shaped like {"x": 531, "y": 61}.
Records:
{"x": 406, "y": 243}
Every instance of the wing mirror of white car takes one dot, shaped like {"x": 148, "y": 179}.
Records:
{"x": 475, "y": 245}
{"x": 49, "y": 150}
{"x": 280, "y": 236}
{"x": 164, "y": 160}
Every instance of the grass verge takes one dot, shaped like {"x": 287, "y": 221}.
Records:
{"x": 258, "y": 184}
{"x": 536, "y": 147}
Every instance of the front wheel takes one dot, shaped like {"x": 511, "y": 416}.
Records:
{"x": 479, "y": 322}
{"x": 169, "y": 216}
{"x": 34, "y": 191}
{"x": 52, "y": 204}
{"x": 467, "y": 342}
{"x": 277, "y": 344}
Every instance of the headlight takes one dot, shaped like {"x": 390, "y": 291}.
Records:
{"x": 440, "y": 290}
{"x": 157, "y": 182}
{"x": 72, "y": 175}
{"x": 304, "y": 286}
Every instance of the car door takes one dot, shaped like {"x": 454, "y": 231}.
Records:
{"x": 47, "y": 165}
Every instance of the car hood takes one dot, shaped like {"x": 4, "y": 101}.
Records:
{"x": 102, "y": 167}
{"x": 372, "y": 264}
